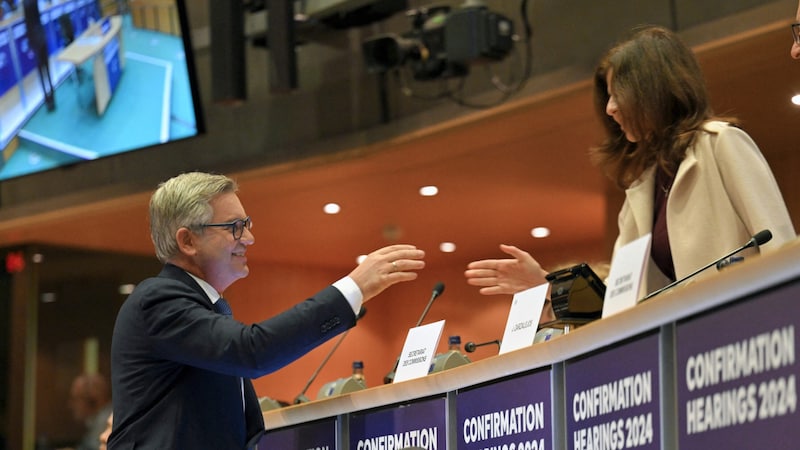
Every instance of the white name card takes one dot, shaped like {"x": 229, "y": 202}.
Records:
{"x": 523, "y": 318}
{"x": 625, "y": 276}
{"x": 418, "y": 351}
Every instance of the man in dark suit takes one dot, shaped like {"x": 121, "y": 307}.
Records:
{"x": 180, "y": 367}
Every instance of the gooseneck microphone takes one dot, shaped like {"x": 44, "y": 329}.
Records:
{"x": 301, "y": 397}
{"x": 470, "y": 346}
{"x": 437, "y": 291}
{"x": 760, "y": 238}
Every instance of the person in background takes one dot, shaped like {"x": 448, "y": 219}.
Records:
{"x": 90, "y": 402}
{"x": 795, "y": 51}
{"x": 694, "y": 181}
{"x": 106, "y": 432}
{"x": 180, "y": 364}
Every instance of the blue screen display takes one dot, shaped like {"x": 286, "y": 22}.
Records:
{"x": 121, "y": 81}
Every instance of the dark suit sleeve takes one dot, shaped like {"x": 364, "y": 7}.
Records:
{"x": 183, "y": 328}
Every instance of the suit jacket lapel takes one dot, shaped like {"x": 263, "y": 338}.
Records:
{"x": 176, "y": 273}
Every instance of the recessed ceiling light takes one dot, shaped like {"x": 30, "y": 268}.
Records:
{"x": 540, "y": 232}
{"x": 332, "y": 208}
{"x": 796, "y": 99}
{"x": 447, "y": 247}
{"x": 428, "y": 191}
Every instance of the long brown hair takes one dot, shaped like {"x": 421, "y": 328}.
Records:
{"x": 661, "y": 94}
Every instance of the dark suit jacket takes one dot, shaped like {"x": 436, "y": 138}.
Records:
{"x": 176, "y": 363}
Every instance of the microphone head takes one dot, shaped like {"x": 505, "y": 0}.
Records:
{"x": 762, "y": 237}
{"x": 469, "y": 347}
{"x": 438, "y": 289}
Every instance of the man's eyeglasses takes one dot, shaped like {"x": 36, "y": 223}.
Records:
{"x": 796, "y": 32}
{"x": 237, "y": 226}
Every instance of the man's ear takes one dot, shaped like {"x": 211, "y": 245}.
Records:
{"x": 186, "y": 241}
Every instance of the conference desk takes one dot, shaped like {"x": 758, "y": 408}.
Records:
{"x": 707, "y": 365}
{"x": 101, "y": 41}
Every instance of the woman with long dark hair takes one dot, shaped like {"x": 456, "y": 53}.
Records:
{"x": 694, "y": 180}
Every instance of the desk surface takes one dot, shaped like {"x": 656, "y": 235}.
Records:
{"x": 90, "y": 42}
{"x": 752, "y": 276}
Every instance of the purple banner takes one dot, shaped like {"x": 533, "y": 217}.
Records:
{"x": 613, "y": 398}
{"x": 55, "y": 39}
{"x": 512, "y": 415}
{"x": 27, "y": 58}
{"x": 111, "y": 60}
{"x": 319, "y": 435}
{"x": 736, "y": 375}
{"x": 80, "y": 17}
{"x": 8, "y": 77}
{"x": 420, "y": 425}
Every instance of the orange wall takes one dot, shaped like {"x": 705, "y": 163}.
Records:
{"x": 379, "y": 336}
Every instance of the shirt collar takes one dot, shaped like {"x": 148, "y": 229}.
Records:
{"x": 212, "y": 293}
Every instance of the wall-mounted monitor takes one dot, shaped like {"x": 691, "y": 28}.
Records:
{"x": 90, "y": 79}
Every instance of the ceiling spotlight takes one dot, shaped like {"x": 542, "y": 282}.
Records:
{"x": 447, "y": 247}
{"x": 332, "y": 208}
{"x": 428, "y": 191}
{"x": 796, "y": 99}
{"x": 540, "y": 232}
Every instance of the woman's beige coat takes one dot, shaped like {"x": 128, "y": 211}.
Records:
{"x": 723, "y": 194}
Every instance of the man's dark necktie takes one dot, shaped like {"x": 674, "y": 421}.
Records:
{"x": 222, "y": 307}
